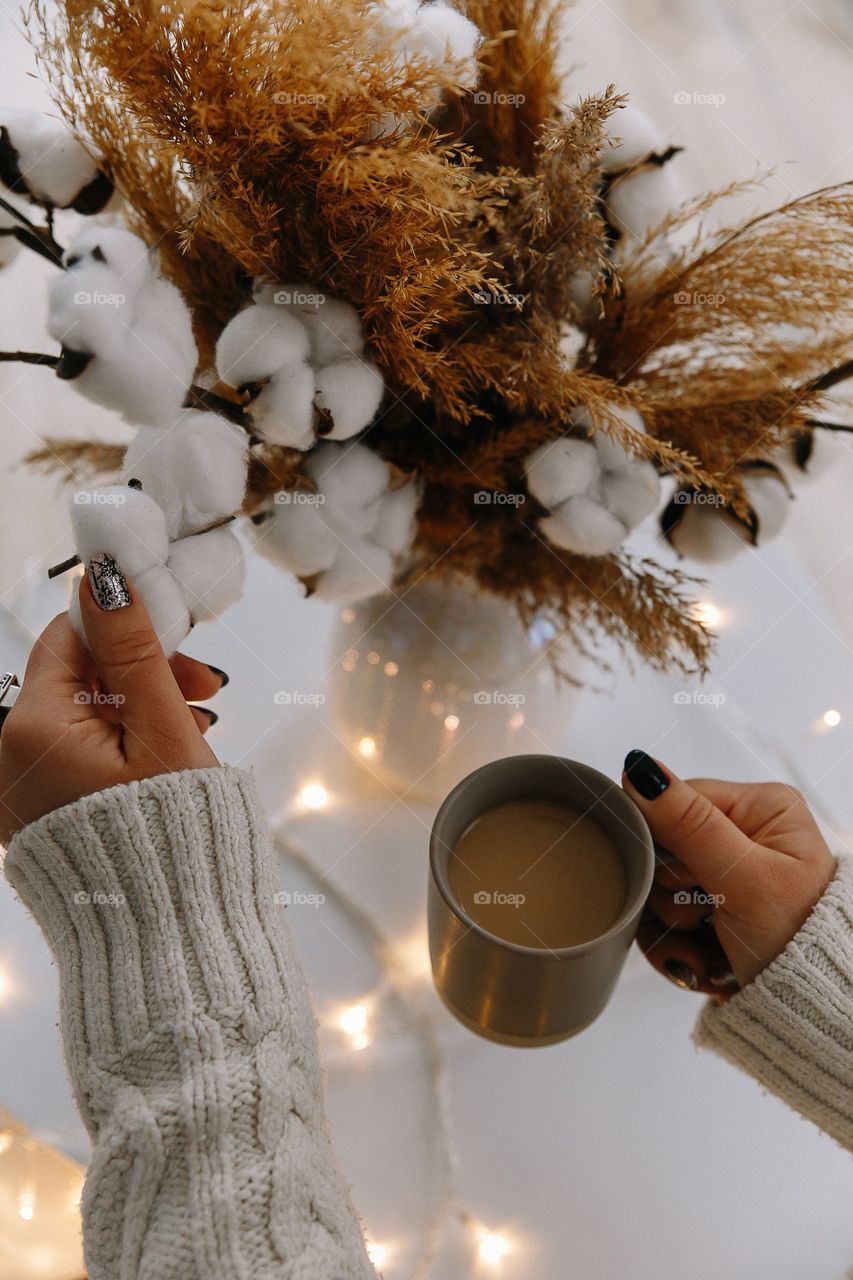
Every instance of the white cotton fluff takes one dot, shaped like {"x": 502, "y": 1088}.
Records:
{"x": 361, "y": 569}
{"x": 712, "y": 535}
{"x": 439, "y": 34}
{"x": 120, "y": 522}
{"x": 351, "y": 480}
{"x": 298, "y": 538}
{"x": 195, "y": 469}
{"x": 134, "y": 324}
{"x": 583, "y": 526}
{"x": 641, "y": 200}
{"x": 283, "y": 412}
{"x": 41, "y": 157}
{"x": 395, "y": 521}
{"x": 352, "y": 392}
{"x": 346, "y": 539}
{"x": 335, "y": 332}
{"x": 210, "y": 569}
{"x": 258, "y": 341}
{"x": 595, "y": 491}
{"x": 9, "y": 245}
{"x": 561, "y": 469}
{"x": 638, "y": 136}
{"x": 164, "y": 600}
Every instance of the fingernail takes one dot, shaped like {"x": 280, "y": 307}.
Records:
{"x": 645, "y": 775}
{"x": 211, "y": 715}
{"x": 681, "y": 974}
{"x": 217, "y": 671}
{"x": 722, "y": 977}
{"x": 108, "y": 583}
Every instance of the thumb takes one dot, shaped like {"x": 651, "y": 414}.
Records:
{"x": 131, "y": 665}
{"x": 692, "y": 828}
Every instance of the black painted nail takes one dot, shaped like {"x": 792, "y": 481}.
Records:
{"x": 108, "y": 583}
{"x": 722, "y": 977}
{"x": 217, "y": 671}
{"x": 645, "y": 775}
{"x": 211, "y": 715}
{"x": 681, "y": 974}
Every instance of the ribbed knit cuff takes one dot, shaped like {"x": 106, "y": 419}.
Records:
{"x": 792, "y": 1027}
{"x": 189, "y": 1036}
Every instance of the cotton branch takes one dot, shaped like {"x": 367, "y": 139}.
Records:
{"x": 39, "y": 239}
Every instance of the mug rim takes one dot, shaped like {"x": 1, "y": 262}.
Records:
{"x": 441, "y": 879}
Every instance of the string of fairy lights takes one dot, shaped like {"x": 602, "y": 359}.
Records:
{"x": 27, "y": 1162}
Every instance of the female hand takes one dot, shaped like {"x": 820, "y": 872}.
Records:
{"x": 86, "y": 720}
{"x": 750, "y": 864}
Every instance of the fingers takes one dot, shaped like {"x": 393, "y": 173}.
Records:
{"x": 58, "y": 664}
{"x": 132, "y": 667}
{"x": 692, "y": 960}
{"x": 715, "y": 852}
{"x": 197, "y": 681}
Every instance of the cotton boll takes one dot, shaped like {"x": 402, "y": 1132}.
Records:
{"x": 360, "y": 570}
{"x": 88, "y": 311}
{"x": 283, "y": 411}
{"x": 39, "y": 157}
{"x": 335, "y": 332}
{"x": 642, "y": 199}
{"x": 164, "y": 601}
{"x": 395, "y": 524}
{"x": 707, "y": 535}
{"x": 351, "y": 390}
{"x": 210, "y": 569}
{"x": 638, "y": 136}
{"x": 561, "y": 469}
{"x": 257, "y": 342}
{"x": 445, "y": 37}
{"x": 582, "y": 526}
{"x": 115, "y": 248}
{"x": 350, "y": 478}
{"x": 633, "y": 494}
{"x": 195, "y": 469}
{"x": 122, "y": 523}
{"x": 769, "y": 498}
{"x": 298, "y": 538}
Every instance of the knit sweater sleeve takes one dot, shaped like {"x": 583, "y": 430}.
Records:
{"x": 189, "y": 1037}
{"x": 792, "y": 1027}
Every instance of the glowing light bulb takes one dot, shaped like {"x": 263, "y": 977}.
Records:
{"x": 348, "y": 615}
{"x": 5, "y": 1141}
{"x": 377, "y": 1253}
{"x": 367, "y": 748}
{"x": 314, "y": 796}
{"x": 706, "y": 612}
{"x": 516, "y": 720}
{"x": 26, "y": 1205}
{"x": 353, "y": 1022}
{"x": 831, "y": 718}
{"x": 5, "y": 985}
{"x": 451, "y": 723}
{"x": 373, "y": 658}
{"x": 391, "y": 668}
{"x": 493, "y": 1248}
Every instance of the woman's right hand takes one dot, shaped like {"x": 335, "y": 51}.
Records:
{"x": 750, "y": 865}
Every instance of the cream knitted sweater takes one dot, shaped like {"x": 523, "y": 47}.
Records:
{"x": 190, "y": 1040}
